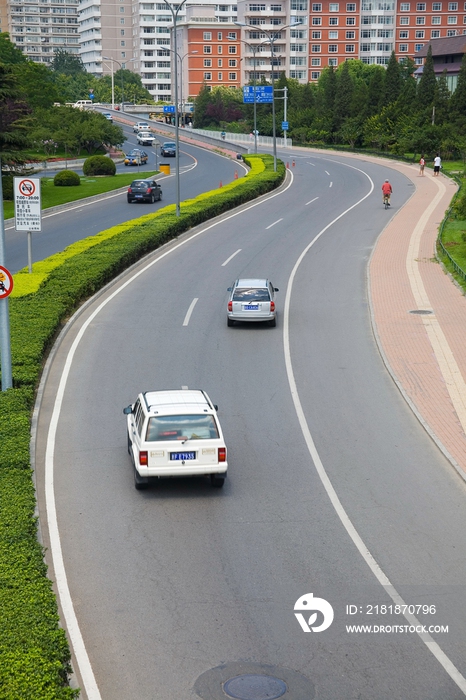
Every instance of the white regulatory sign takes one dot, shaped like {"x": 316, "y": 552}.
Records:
{"x": 27, "y": 204}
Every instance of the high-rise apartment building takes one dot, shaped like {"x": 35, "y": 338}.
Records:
{"x": 105, "y": 34}
{"x": 41, "y": 27}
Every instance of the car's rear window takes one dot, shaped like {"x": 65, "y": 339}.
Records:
{"x": 191, "y": 427}
{"x": 139, "y": 183}
{"x": 251, "y": 294}
{"x": 169, "y": 145}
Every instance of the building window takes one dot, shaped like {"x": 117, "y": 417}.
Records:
{"x": 451, "y": 32}
{"x": 418, "y": 47}
{"x": 232, "y": 62}
{"x": 436, "y": 20}
{"x": 404, "y": 34}
{"x": 452, "y": 20}
{"x": 315, "y": 61}
{"x": 435, "y": 34}
{"x": 207, "y": 76}
{"x": 350, "y": 21}
{"x": 403, "y": 48}
{"x": 219, "y": 36}
{"x": 349, "y": 48}
{"x": 333, "y": 61}
{"x": 404, "y": 20}
{"x": 351, "y": 7}
{"x": 231, "y": 49}
{"x": 315, "y": 48}
{"x": 207, "y": 36}
{"x": 220, "y": 49}
{"x": 256, "y": 8}
{"x": 333, "y": 48}
{"x": 420, "y": 7}
{"x": 122, "y": 43}
{"x": 436, "y": 7}
{"x": 452, "y": 7}
{"x": 333, "y": 21}
{"x": 231, "y": 76}
{"x": 315, "y": 75}
{"x": 334, "y": 7}
{"x": 232, "y": 36}
{"x": 317, "y": 35}
{"x": 219, "y": 62}
{"x": 419, "y": 34}
{"x": 207, "y": 63}
{"x": 219, "y": 76}
{"x": 122, "y": 9}
{"x": 122, "y": 32}
{"x": 207, "y": 49}
{"x": 420, "y": 20}
{"x": 317, "y": 7}
{"x": 350, "y": 35}
{"x": 404, "y": 6}
{"x": 333, "y": 35}
{"x": 316, "y": 21}
{"x": 122, "y": 20}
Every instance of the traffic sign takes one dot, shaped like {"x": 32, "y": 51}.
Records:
{"x": 27, "y": 204}
{"x": 6, "y": 282}
{"x": 91, "y": 95}
{"x": 284, "y": 126}
{"x": 168, "y": 109}
{"x": 264, "y": 94}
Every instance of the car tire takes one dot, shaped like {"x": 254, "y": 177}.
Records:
{"x": 129, "y": 445}
{"x": 152, "y": 198}
{"x": 230, "y": 322}
{"x": 160, "y": 197}
{"x": 217, "y": 481}
{"x": 140, "y": 482}
{"x": 129, "y": 200}
{"x": 273, "y": 323}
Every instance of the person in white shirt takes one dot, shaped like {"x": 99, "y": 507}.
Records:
{"x": 437, "y": 165}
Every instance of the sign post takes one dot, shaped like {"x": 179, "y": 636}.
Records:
{"x": 28, "y": 209}
{"x": 5, "y": 345}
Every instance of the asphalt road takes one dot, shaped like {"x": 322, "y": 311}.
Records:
{"x": 182, "y": 587}
{"x": 60, "y": 229}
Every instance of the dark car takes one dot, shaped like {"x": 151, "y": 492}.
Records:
{"x": 168, "y": 149}
{"x": 144, "y": 191}
{"x": 136, "y": 157}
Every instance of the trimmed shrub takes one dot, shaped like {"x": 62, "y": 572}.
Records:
{"x": 99, "y": 165}
{"x": 66, "y": 178}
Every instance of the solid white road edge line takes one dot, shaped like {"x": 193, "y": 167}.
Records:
{"x": 190, "y": 310}
{"x": 231, "y": 257}
{"x": 72, "y": 625}
{"x": 426, "y": 638}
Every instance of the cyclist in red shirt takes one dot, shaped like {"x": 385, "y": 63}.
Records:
{"x": 386, "y": 191}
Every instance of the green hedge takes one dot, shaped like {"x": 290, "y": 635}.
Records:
{"x": 34, "y": 653}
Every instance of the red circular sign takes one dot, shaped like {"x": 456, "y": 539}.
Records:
{"x": 6, "y": 282}
{"x": 27, "y": 188}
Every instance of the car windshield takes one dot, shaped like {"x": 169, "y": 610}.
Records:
{"x": 251, "y": 294}
{"x": 190, "y": 427}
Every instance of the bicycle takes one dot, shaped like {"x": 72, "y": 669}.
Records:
{"x": 386, "y": 200}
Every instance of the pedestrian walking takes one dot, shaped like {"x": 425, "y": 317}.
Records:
{"x": 422, "y": 164}
{"x": 437, "y": 165}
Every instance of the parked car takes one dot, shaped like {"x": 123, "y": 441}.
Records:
{"x": 252, "y": 300}
{"x": 141, "y": 126}
{"x": 144, "y": 191}
{"x": 136, "y": 157}
{"x": 168, "y": 149}
{"x": 108, "y": 116}
{"x": 175, "y": 433}
{"x": 145, "y": 138}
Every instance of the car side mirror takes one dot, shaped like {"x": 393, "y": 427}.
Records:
{"x": 128, "y": 410}
{"x": 215, "y": 406}
{"x": 275, "y": 289}
{"x": 229, "y": 289}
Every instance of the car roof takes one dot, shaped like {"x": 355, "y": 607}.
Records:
{"x": 177, "y": 401}
{"x": 252, "y": 282}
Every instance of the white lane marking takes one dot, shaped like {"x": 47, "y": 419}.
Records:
{"x": 313, "y": 164}
{"x": 331, "y": 183}
{"x": 327, "y": 173}
{"x": 310, "y": 202}
{"x": 190, "y": 310}
{"x": 451, "y": 373}
{"x": 64, "y": 594}
{"x": 384, "y": 581}
{"x": 231, "y": 257}
{"x": 275, "y": 222}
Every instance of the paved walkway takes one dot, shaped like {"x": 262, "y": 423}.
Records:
{"x": 424, "y": 352}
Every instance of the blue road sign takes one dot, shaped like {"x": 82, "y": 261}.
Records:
{"x": 264, "y": 94}
{"x": 284, "y": 126}
{"x": 91, "y": 95}
{"x": 168, "y": 109}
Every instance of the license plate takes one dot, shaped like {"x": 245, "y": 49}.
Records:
{"x": 138, "y": 196}
{"x": 251, "y": 307}
{"x": 182, "y": 456}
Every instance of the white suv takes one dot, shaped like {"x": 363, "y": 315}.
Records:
{"x": 175, "y": 433}
{"x": 145, "y": 138}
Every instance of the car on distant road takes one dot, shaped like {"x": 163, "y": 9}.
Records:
{"x": 144, "y": 191}
{"x": 108, "y": 116}
{"x": 141, "y": 126}
{"x": 145, "y": 138}
{"x": 252, "y": 299}
{"x": 136, "y": 157}
{"x": 175, "y": 433}
{"x": 168, "y": 149}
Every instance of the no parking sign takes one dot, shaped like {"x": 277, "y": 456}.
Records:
{"x": 6, "y": 282}
{"x": 27, "y": 204}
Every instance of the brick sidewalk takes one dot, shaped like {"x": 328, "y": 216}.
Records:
{"x": 425, "y": 353}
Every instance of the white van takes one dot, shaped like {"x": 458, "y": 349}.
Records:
{"x": 84, "y": 104}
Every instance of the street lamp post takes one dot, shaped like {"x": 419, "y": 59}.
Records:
{"x": 107, "y": 58}
{"x": 253, "y": 48}
{"x": 181, "y": 76}
{"x": 177, "y": 135}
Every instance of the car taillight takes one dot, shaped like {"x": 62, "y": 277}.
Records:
{"x": 222, "y": 454}
{"x": 272, "y": 306}
{"x": 143, "y": 458}
{"x": 230, "y": 306}
{"x": 129, "y": 189}
{"x": 149, "y": 189}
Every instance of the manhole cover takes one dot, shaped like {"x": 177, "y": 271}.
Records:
{"x": 421, "y": 312}
{"x": 255, "y": 687}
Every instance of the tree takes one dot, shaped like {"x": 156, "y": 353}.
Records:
{"x": 343, "y": 95}
{"x": 393, "y": 81}
{"x": 458, "y": 99}
{"x": 67, "y": 63}
{"x": 9, "y": 54}
{"x": 14, "y": 114}
{"x": 36, "y": 84}
{"x": 427, "y": 87}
